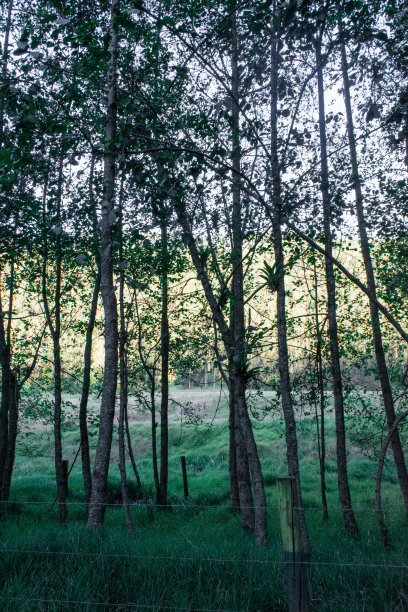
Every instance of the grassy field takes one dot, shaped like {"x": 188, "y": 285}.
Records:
{"x": 195, "y": 556}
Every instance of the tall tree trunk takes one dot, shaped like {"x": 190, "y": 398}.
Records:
{"x": 374, "y": 313}
{"x": 164, "y": 350}
{"x": 5, "y": 393}
{"x": 97, "y": 504}
{"x": 83, "y": 405}
{"x": 234, "y": 453}
{"x": 5, "y": 67}
{"x": 151, "y": 374}
{"x": 238, "y": 361}
{"x": 7, "y": 414}
{"x": 123, "y": 374}
{"x": 284, "y": 376}
{"x": 233, "y": 473}
{"x": 154, "y": 432}
{"x": 342, "y": 477}
{"x": 239, "y": 474}
{"x": 56, "y": 336}
{"x": 135, "y": 470}
{"x": 242, "y": 487}
{"x": 123, "y": 399}
{"x": 239, "y": 387}
{"x": 54, "y": 326}
{"x": 320, "y": 385}
{"x": 14, "y": 398}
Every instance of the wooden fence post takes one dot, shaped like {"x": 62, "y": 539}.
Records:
{"x": 65, "y": 464}
{"x": 183, "y": 467}
{"x": 295, "y": 568}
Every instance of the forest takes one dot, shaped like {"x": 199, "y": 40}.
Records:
{"x": 203, "y": 289}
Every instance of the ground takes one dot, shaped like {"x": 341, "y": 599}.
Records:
{"x": 195, "y": 555}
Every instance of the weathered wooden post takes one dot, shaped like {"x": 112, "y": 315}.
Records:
{"x": 65, "y": 464}
{"x": 295, "y": 568}
{"x": 183, "y": 467}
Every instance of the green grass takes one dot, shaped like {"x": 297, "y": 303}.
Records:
{"x": 171, "y": 563}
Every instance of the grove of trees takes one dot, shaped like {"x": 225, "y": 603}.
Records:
{"x": 197, "y": 189}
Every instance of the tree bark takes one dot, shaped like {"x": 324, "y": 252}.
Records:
{"x": 388, "y": 399}
{"x": 4, "y": 67}
{"x": 232, "y": 458}
{"x": 238, "y": 356}
{"x": 164, "y": 350}
{"x": 12, "y": 434}
{"x": 5, "y": 397}
{"x": 97, "y": 504}
{"x": 154, "y": 434}
{"x": 54, "y": 325}
{"x": 242, "y": 486}
{"x": 227, "y": 337}
{"x": 135, "y": 470}
{"x": 83, "y": 405}
{"x": 57, "y": 361}
{"x": 123, "y": 400}
{"x": 7, "y": 407}
{"x": 123, "y": 373}
{"x": 151, "y": 374}
{"x": 342, "y": 477}
{"x": 283, "y": 357}
{"x": 320, "y": 385}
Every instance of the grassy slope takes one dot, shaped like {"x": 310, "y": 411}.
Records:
{"x": 194, "y": 535}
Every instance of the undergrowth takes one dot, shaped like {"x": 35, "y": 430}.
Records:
{"x": 195, "y": 555}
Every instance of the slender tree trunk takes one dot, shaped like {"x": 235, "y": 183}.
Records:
{"x": 151, "y": 374}
{"x": 121, "y": 432}
{"x": 54, "y": 326}
{"x": 238, "y": 361}
{"x": 344, "y": 490}
{"x": 154, "y": 434}
{"x": 320, "y": 385}
{"x": 239, "y": 389}
{"x": 242, "y": 487}
{"x": 83, "y": 405}
{"x": 322, "y": 455}
{"x": 374, "y": 313}
{"x": 12, "y": 434}
{"x": 97, "y": 504}
{"x": 234, "y": 454}
{"x": 135, "y": 470}
{"x": 123, "y": 400}
{"x": 57, "y": 360}
{"x": 233, "y": 472}
{"x": 123, "y": 374}
{"x": 240, "y": 477}
{"x": 164, "y": 349}
{"x": 7, "y": 414}
{"x": 285, "y": 387}
{"x": 5, "y": 403}
{"x": 5, "y": 67}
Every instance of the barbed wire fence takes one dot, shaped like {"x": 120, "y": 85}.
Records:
{"x": 278, "y": 564}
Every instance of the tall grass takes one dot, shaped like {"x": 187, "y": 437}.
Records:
{"x": 195, "y": 555}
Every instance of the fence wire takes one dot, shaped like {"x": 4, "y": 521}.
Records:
{"x": 207, "y": 559}
{"x": 126, "y": 604}
{"x": 142, "y": 504}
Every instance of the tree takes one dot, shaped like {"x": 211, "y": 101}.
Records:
{"x": 97, "y": 502}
